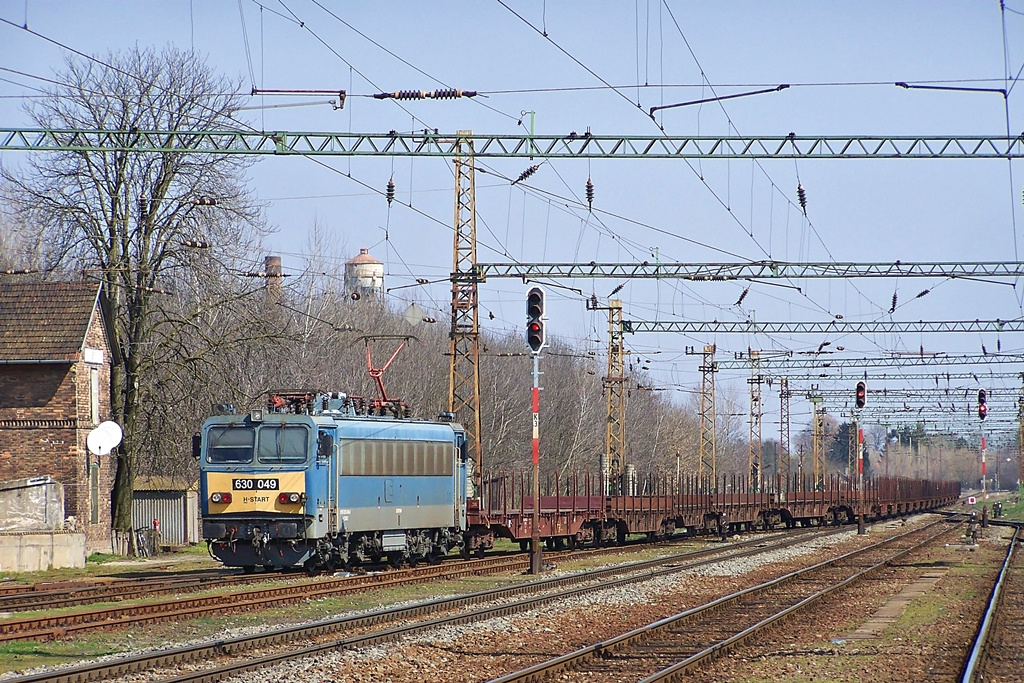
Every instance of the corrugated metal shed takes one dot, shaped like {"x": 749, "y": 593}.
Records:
{"x": 176, "y": 506}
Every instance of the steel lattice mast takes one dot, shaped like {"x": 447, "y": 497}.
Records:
{"x": 430, "y": 143}
{"x": 818, "y": 447}
{"x": 784, "y": 455}
{"x": 464, "y": 350}
{"x": 754, "y": 455}
{"x": 615, "y": 398}
{"x": 707, "y": 465}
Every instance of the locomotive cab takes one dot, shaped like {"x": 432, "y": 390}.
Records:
{"x": 257, "y": 504}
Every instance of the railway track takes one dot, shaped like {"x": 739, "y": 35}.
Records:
{"x": 526, "y": 596}
{"x": 65, "y": 625}
{"x": 669, "y": 649}
{"x": 997, "y": 653}
{"x": 69, "y": 624}
{"x": 73, "y": 593}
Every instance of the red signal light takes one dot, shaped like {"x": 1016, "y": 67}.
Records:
{"x": 535, "y": 319}
{"x": 862, "y": 394}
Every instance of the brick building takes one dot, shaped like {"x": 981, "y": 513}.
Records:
{"x": 55, "y": 359}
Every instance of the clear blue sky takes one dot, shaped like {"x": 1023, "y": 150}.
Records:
{"x": 841, "y": 58}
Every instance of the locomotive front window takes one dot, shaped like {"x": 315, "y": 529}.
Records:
{"x": 230, "y": 444}
{"x": 283, "y": 444}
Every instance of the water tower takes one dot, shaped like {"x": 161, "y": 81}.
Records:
{"x": 364, "y": 277}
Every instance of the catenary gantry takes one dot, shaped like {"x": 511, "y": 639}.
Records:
{"x": 826, "y": 327}
{"x": 578, "y": 146}
{"x": 826, "y": 361}
{"x": 717, "y": 272}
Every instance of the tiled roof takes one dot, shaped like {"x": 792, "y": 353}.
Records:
{"x": 45, "y": 321}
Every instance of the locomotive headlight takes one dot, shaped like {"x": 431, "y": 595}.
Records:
{"x": 290, "y": 498}
{"x": 220, "y": 498}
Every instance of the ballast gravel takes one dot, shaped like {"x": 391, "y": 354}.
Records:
{"x": 486, "y": 649}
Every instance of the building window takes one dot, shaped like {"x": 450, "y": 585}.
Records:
{"x": 94, "y": 395}
{"x": 94, "y": 493}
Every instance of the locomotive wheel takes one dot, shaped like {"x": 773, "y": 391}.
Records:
{"x": 464, "y": 552}
{"x": 434, "y": 556}
{"x": 311, "y": 567}
{"x": 480, "y": 553}
{"x": 395, "y": 560}
{"x": 249, "y": 569}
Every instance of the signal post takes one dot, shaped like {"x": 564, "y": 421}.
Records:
{"x": 536, "y": 340}
{"x": 860, "y": 401}
{"x": 982, "y": 414}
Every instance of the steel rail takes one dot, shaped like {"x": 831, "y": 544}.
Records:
{"x": 676, "y": 671}
{"x": 68, "y": 623}
{"x": 754, "y": 270}
{"x": 39, "y": 596}
{"x": 971, "y": 672}
{"x": 572, "y": 146}
{"x": 211, "y": 650}
{"x": 571, "y": 660}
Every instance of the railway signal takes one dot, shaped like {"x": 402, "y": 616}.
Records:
{"x": 536, "y": 341}
{"x": 982, "y": 408}
{"x": 535, "y": 336}
{"x": 862, "y": 394}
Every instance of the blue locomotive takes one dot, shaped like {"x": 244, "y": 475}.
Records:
{"x": 317, "y": 481}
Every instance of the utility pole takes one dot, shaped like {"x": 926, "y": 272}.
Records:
{"x": 614, "y": 386}
{"x": 1020, "y": 443}
{"x": 706, "y": 453}
{"x": 754, "y": 456}
{"x": 615, "y": 399}
{"x": 859, "y": 439}
{"x": 464, "y": 349}
{"x": 784, "y": 465}
{"x": 800, "y": 468}
{"x": 885, "y": 426}
{"x": 851, "y": 459}
{"x": 817, "y": 440}
{"x": 984, "y": 488}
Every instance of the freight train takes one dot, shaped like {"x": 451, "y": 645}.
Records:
{"x": 324, "y": 481}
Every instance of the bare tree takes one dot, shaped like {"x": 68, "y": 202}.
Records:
{"x": 130, "y": 219}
